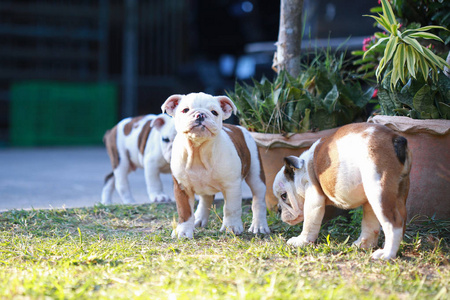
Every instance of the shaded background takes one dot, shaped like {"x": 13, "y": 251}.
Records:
{"x": 70, "y": 69}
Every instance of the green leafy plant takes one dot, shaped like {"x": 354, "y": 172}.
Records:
{"x": 425, "y": 12}
{"x": 404, "y": 57}
{"x": 323, "y": 96}
{"x": 418, "y": 98}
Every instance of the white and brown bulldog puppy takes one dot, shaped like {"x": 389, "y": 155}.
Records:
{"x": 140, "y": 142}
{"x": 209, "y": 157}
{"x": 360, "y": 164}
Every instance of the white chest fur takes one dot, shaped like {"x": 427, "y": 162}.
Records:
{"x": 208, "y": 168}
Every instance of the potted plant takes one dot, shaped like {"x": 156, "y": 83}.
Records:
{"x": 287, "y": 115}
{"x": 414, "y": 99}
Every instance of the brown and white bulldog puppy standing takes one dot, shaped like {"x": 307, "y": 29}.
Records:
{"x": 209, "y": 157}
{"x": 140, "y": 142}
{"x": 360, "y": 164}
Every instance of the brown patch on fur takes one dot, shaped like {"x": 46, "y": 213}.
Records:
{"x": 394, "y": 173}
{"x": 182, "y": 200}
{"x": 237, "y": 137}
{"x": 129, "y": 126}
{"x": 143, "y": 136}
{"x": 386, "y": 149}
{"x": 110, "y": 141}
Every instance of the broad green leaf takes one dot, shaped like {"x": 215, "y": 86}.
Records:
{"x": 380, "y": 67}
{"x": 331, "y": 98}
{"x": 387, "y": 12}
{"x": 380, "y": 41}
{"x": 380, "y": 35}
{"x": 413, "y": 43}
{"x": 376, "y": 9}
{"x": 423, "y": 66}
{"x": 276, "y": 96}
{"x": 382, "y": 21}
{"x": 399, "y": 62}
{"x": 426, "y": 35}
{"x": 410, "y": 60}
{"x": 444, "y": 110}
{"x": 358, "y": 52}
{"x": 386, "y": 103}
{"x": 423, "y": 102}
{"x": 390, "y": 48}
{"x": 439, "y": 62}
{"x": 421, "y": 29}
{"x": 305, "y": 123}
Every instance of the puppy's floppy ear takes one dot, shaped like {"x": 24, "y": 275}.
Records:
{"x": 292, "y": 164}
{"x": 158, "y": 122}
{"x": 227, "y": 106}
{"x": 171, "y": 104}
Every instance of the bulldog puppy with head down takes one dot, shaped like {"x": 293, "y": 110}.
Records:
{"x": 140, "y": 142}
{"x": 209, "y": 157}
{"x": 360, "y": 164}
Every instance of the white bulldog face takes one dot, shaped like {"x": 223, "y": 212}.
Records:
{"x": 289, "y": 188}
{"x": 198, "y": 115}
{"x": 166, "y": 127}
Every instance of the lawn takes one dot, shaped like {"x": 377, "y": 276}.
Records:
{"x": 126, "y": 252}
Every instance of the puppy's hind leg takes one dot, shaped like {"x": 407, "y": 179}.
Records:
{"x": 370, "y": 229}
{"x": 203, "y": 210}
{"x": 108, "y": 189}
{"x": 391, "y": 212}
{"x": 258, "y": 188}
{"x": 122, "y": 185}
{"x": 154, "y": 184}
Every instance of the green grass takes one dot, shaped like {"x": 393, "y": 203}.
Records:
{"x": 126, "y": 252}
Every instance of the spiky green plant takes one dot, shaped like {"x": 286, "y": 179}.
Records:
{"x": 404, "y": 57}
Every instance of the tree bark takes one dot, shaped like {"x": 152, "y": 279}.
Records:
{"x": 287, "y": 56}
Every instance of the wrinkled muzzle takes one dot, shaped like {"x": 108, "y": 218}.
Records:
{"x": 290, "y": 215}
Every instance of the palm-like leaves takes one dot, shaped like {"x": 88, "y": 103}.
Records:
{"x": 403, "y": 53}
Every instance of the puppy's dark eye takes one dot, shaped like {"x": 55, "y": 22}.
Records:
{"x": 185, "y": 110}
{"x": 165, "y": 140}
{"x": 214, "y": 113}
{"x": 283, "y": 196}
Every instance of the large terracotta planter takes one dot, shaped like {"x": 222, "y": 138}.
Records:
{"x": 274, "y": 147}
{"x": 429, "y": 142}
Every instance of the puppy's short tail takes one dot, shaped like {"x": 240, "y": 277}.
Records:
{"x": 109, "y": 177}
{"x": 401, "y": 148}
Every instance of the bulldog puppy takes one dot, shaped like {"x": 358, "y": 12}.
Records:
{"x": 140, "y": 142}
{"x": 360, "y": 164}
{"x": 210, "y": 157}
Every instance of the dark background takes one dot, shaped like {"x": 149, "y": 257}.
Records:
{"x": 151, "y": 49}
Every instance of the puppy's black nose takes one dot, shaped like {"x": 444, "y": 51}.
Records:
{"x": 279, "y": 210}
{"x": 200, "y": 117}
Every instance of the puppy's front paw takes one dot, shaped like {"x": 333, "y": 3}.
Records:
{"x": 159, "y": 197}
{"x": 237, "y": 227}
{"x": 183, "y": 231}
{"x": 366, "y": 243}
{"x": 299, "y": 241}
{"x": 259, "y": 227}
{"x": 201, "y": 222}
{"x": 381, "y": 254}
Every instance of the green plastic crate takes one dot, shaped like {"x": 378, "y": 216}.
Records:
{"x": 61, "y": 113}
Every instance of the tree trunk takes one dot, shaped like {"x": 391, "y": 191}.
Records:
{"x": 287, "y": 56}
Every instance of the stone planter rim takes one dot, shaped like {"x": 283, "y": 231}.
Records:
{"x": 297, "y": 140}
{"x": 409, "y": 125}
